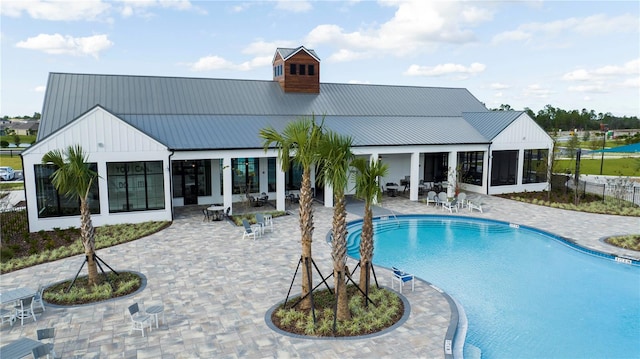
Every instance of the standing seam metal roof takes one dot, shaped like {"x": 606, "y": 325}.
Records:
{"x": 227, "y": 113}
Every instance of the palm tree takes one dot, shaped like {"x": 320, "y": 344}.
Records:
{"x": 298, "y": 143}
{"x": 336, "y": 155}
{"x": 73, "y": 177}
{"x": 368, "y": 189}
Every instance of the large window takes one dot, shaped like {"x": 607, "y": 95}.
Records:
{"x": 135, "y": 186}
{"x": 535, "y": 166}
{"x": 244, "y": 173}
{"x": 271, "y": 169}
{"x": 53, "y": 204}
{"x": 504, "y": 168}
{"x": 471, "y": 167}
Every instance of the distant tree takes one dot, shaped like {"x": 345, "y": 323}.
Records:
{"x": 4, "y": 144}
{"x": 586, "y": 136}
{"x": 36, "y": 116}
{"x": 16, "y": 140}
{"x": 572, "y": 146}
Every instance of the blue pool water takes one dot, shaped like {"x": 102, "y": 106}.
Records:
{"x": 525, "y": 293}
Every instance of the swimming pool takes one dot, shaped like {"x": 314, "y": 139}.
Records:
{"x": 526, "y": 293}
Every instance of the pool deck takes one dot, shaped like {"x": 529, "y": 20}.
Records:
{"x": 216, "y": 288}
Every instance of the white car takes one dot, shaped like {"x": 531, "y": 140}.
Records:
{"x": 7, "y": 173}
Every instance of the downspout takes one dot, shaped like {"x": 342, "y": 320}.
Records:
{"x": 171, "y": 186}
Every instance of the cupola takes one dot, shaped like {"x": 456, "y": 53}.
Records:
{"x": 297, "y": 70}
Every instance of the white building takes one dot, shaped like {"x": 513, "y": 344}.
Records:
{"x": 163, "y": 142}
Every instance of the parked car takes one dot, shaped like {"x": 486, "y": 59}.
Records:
{"x": 7, "y": 173}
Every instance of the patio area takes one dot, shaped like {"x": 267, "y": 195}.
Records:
{"x": 216, "y": 288}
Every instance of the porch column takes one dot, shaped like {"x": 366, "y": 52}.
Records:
{"x": 415, "y": 176}
{"x": 227, "y": 184}
{"x": 280, "y": 199}
{"x": 328, "y": 196}
{"x": 452, "y": 174}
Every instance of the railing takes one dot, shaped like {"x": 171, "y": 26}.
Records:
{"x": 627, "y": 191}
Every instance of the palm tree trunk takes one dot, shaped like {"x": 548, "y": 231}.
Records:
{"x": 366, "y": 247}
{"x": 306, "y": 229}
{"x": 339, "y": 254}
{"x": 87, "y": 234}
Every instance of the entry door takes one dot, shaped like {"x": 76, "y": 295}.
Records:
{"x": 190, "y": 190}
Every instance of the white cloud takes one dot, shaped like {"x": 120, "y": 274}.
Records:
{"x": 40, "y": 88}
{"x": 595, "y": 88}
{"x": 214, "y": 62}
{"x": 629, "y": 68}
{"x": 444, "y": 69}
{"x": 417, "y": 25}
{"x": 67, "y": 45}
{"x": 535, "y": 90}
{"x": 597, "y": 24}
{"x": 499, "y": 86}
{"x": 633, "y": 82}
{"x": 56, "y": 10}
{"x": 294, "y": 5}
{"x": 142, "y": 7}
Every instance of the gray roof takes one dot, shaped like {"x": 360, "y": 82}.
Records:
{"x": 200, "y": 113}
{"x": 491, "y": 123}
{"x": 286, "y": 52}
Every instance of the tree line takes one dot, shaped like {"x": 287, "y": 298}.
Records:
{"x": 552, "y": 119}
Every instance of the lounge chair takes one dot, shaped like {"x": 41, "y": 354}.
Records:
{"x": 462, "y": 200}
{"x": 441, "y": 198}
{"x": 401, "y": 277}
{"x": 260, "y": 222}
{"x": 474, "y": 205}
{"x": 138, "y": 321}
{"x": 48, "y": 333}
{"x": 453, "y": 205}
{"x": 248, "y": 230}
{"x": 431, "y": 198}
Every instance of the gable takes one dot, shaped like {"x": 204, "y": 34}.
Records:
{"x": 523, "y": 130}
{"x": 97, "y": 131}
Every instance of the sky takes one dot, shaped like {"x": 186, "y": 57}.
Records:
{"x": 527, "y": 54}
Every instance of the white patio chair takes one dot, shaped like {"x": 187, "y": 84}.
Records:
{"x": 431, "y": 198}
{"x": 138, "y": 320}
{"x": 25, "y": 310}
{"x": 401, "y": 277}
{"x": 47, "y": 333}
{"x": 37, "y": 299}
{"x": 7, "y": 315}
{"x": 462, "y": 200}
{"x": 451, "y": 206}
{"x": 249, "y": 231}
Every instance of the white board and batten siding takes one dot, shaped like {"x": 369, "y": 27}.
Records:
{"x": 522, "y": 134}
{"x": 104, "y": 138}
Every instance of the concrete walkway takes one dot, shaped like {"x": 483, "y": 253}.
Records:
{"x": 216, "y": 289}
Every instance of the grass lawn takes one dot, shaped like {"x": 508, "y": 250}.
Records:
{"x": 14, "y": 161}
{"x": 612, "y": 166}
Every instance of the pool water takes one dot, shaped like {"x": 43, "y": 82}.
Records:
{"x": 526, "y": 294}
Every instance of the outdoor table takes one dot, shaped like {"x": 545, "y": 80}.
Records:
{"x": 19, "y": 348}
{"x": 155, "y": 310}
{"x": 17, "y": 294}
{"x": 392, "y": 190}
{"x": 217, "y": 211}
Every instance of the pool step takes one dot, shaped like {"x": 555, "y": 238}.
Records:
{"x": 472, "y": 352}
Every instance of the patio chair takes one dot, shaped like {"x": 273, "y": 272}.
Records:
{"x": 248, "y": 230}
{"x": 453, "y": 205}
{"x": 474, "y": 205}
{"x": 462, "y": 200}
{"x": 47, "y": 333}
{"x": 441, "y": 198}
{"x": 268, "y": 222}
{"x": 25, "y": 310}
{"x": 431, "y": 198}
{"x": 41, "y": 351}
{"x": 138, "y": 320}
{"x": 402, "y": 277}
{"x": 37, "y": 299}
{"x": 7, "y": 315}
{"x": 260, "y": 222}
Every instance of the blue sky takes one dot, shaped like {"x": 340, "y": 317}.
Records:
{"x": 571, "y": 55}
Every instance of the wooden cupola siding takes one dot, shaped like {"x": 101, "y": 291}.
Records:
{"x": 299, "y": 73}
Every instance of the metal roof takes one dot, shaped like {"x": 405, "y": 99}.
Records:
{"x": 189, "y": 113}
{"x": 285, "y": 53}
{"x": 491, "y": 123}
{"x": 204, "y": 132}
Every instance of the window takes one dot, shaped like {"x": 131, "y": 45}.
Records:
{"x": 245, "y": 175}
{"x": 504, "y": 167}
{"x": 293, "y": 177}
{"x": 471, "y": 167}
{"x": 292, "y": 69}
{"x": 535, "y": 166}
{"x": 135, "y": 186}
{"x": 53, "y": 204}
{"x": 312, "y": 70}
{"x": 271, "y": 170}
{"x": 302, "y": 69}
